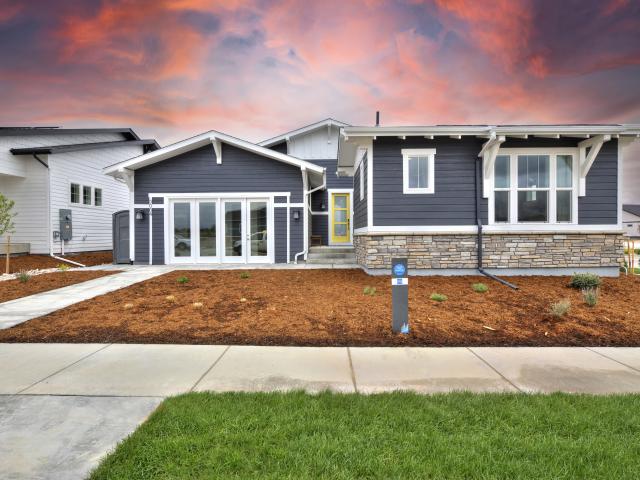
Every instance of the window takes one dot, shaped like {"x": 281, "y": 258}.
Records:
{"x": 418, "y": 170}
{"x": 534, "y": 187}
{"x": 97, "y": 197}
{"x": 86, "y": 195}
{"x": 75, "y": 193}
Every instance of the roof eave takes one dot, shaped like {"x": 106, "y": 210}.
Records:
{"x": 300, "y": 131}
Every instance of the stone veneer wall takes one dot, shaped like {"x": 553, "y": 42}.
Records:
{"x": 532, "y": 250}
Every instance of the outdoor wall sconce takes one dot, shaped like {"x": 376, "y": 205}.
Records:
{"x": 140, "y": 215}
{"x": 296, "y": 215}
{"x": 322, "y": 206}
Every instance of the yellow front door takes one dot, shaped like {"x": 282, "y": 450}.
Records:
{"x": 340, "y": 221}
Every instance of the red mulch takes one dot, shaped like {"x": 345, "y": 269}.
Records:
{"x": 328, "y": 307}
{"x": 18, "y": 263}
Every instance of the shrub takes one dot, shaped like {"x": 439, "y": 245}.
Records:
{"x": 590, "y": 296}
{"x": 480, "y": 287}
{"x": 438, "y": 297}
{"x": 63, "y": 266}
{"x": 183, "y": 280}
{"x": 584, "y": 280}
{"x": 23, "y": 276}
{"x": 244, "y": 275}
{"x": 560, "y": 309}
{"x": 371, "y": 291}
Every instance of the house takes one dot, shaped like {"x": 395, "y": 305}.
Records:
{"x": 631, "y": 192}
{"x": 537, "y": 199}
{"x": 55, "y": 174}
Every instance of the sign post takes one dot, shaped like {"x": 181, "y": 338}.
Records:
{"x": 400, "y": 295}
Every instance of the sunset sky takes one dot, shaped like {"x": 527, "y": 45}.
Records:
{"x": 171, "y": 69}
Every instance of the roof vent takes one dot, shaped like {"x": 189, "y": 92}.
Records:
{"x": 377, "y": 118}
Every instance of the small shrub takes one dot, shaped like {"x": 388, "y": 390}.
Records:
{"x": 63, "y": 266}
{"x": 128, "y": 306}
{"x": 590, "y": 296}
{"x": 584, "y": 280}
{"x": 183, "y": 280}
{"x": 439, "y": 297}
{"x": 244, "y": 275}
{"x": 197, "y": 304}
{"x": 371, "y": 291}
{"x": 23, "y": 276}
{"x": 170, "y": 298}
{"x": 561, "y": 308}
{"x": 480, "y": 287}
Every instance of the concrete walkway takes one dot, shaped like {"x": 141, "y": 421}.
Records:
{"x": 22, "y": 309}
{"x": 64, "y": 406}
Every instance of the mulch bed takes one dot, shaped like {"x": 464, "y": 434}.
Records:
{"x": 328, "y": 307}
{"x": 18, "y": 263}
{"x": 12, "y": 289}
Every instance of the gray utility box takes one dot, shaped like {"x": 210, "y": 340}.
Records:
{"x": 66, "y": 226}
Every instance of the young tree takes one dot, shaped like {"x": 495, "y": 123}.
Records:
{"x": 6, "y": 222}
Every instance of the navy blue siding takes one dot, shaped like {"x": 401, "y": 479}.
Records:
{"x": 279, "y": 147}
{"x": 198, "y": 172}
{"x": 600, "y": 204}
{"x": 453, "y": 202}
{"x": 360, "y": 206}
{"x": 142, "y": 238}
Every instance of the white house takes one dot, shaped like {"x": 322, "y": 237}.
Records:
{"x": 57, "y": 172}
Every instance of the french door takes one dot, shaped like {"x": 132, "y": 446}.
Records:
{"x": 229, "y": 230}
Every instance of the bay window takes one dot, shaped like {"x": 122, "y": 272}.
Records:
{"x": 534, "y": 186}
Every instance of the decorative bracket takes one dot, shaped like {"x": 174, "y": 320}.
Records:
{"x": 594, "y": 145}
{"x": 489, "y": 153}
{"x": 217, "y": 147}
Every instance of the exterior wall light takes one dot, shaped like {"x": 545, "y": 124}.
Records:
{"x": 296, "y": 215}
{"x": 140, "y": 215}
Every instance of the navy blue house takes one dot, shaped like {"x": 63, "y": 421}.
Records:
{"x": 527, "y": 199}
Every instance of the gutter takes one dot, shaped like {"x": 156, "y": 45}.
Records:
{"x": 307, "y": 206}
{"x": 50, "y": 234}
{"x": 479, "y": 224}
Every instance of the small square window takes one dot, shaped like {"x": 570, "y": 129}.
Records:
{"x": 97, "y": 197}
{"x": 75, "y": 193}
{"x": 418, "y": 170}
{"x": 86, "y": 195}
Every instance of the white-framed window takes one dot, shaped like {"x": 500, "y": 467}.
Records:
{"x": 85, "y": 195}
{"x": 74, "y": 193}
{"x": 534, "y": 186}
{"x": 418, "y": 170}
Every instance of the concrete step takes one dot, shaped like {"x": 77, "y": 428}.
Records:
{"x": 334, "y": 261}
{"x": 327, "y": 249}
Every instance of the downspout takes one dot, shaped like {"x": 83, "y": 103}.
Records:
{"x": 478, "y": 183}
{"x": 49, "y": 233}
{"x": 307, "y": 208}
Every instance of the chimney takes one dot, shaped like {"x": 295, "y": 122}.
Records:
{"x": 377, "y": 119}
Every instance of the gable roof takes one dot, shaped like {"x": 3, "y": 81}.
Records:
{"x": 149, "y": 145}
{"x": 207, "y": 138}
{"x": 308, "y": 128}
{"x": 19, "y": 131}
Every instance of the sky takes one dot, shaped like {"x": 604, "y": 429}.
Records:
{"x": 258, "y": 68}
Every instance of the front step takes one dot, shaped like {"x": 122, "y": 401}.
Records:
{"x": 335, "y": 255}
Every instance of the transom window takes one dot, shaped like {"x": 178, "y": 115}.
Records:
{"x": 418, "y": 170}
{"x": 534, "y": 187}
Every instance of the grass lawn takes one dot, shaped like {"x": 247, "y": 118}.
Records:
{"x": 398, "y": 435}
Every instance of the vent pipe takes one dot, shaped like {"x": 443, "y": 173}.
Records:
{"x": 377, "y": 118}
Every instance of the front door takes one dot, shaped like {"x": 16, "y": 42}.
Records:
{"x": 340, "y": 218}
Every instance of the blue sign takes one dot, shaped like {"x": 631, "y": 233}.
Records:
{"x": 399, "y": 270}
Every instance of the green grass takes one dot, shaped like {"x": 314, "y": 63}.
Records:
{"x": 398, "y": 435}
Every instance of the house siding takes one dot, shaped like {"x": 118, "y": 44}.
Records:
{"x": 600, "y": 204}
{"x": 241, "y": 171}
{"x": 453, "y": 202}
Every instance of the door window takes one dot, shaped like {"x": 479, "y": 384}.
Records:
{"x": 258, "y": 229}
{"x": 207, "y": 228}
{"x": 233, "y": 229}
{"x": 182, "y": 229}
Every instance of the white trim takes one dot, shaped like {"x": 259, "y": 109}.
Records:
{"x": 362, "y": 183}
{"x": 330, "y": 212}
{"x": 287, "y": 204}
{"x": 370, "y": 183}
{"x": 207, "y": 138}
{"x": 221, "y": 195}
{"x": 329, "y": 122}
{"x": 288, "y": 234}
{"x": 407, "y": 155}
{"x": 558, "y": 229}
{"x": 159, "y": 206}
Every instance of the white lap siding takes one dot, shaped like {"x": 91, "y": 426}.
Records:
{"x": 92, "y": 227}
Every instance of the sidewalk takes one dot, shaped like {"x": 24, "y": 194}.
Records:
{"x": 161, "y": 370}
{"x": 23, "y": 309}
